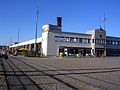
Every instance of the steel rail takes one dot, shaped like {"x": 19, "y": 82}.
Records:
{"x": 16, "y": 75}
{"x": 74, "y": 69}
{"x": 90, "y": 72}
{"x": 69, "y": 85}
{"x": 83, "y": 73}
{"x": 5, "y": 73}
{"x": 25, "y": 75}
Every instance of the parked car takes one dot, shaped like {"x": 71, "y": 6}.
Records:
{"x": 5, "y": 56}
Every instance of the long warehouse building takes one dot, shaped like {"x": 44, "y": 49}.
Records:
{"x": 54, "y": 41}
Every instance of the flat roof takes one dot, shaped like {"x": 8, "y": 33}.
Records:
{"x": 75, "y": 33}
{"x": 27, "y": 42}
{"x": 112, "y": 37}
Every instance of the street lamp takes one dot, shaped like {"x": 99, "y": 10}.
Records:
{"x": 36, "y": 32}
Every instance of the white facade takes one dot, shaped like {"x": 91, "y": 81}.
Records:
{"x": 54, "y": 40}
{"x": 98, "y": 39}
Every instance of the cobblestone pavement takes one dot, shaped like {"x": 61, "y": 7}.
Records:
{"x": 54, "y": 73}
{"x": 108, "y": 69}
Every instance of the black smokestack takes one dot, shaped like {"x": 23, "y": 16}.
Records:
{"x": 59, "y": 21}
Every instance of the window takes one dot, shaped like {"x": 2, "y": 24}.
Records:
{"x": 97, "y": 41}
{"x": 110, "y": 42}
{"x": 76, "y": 40}
{"x": 56, "y": 38}
{"x": 67, "y": 39}
{"x": 118, "y": 42}
{"x": 71, "y": 39}
{"x": 80, "y": 40}
{"x": 92, "y": 40}
{"x": 62, "y": 39}
{"x": 85, "y": 40}
{"x": 113, "y": 43}
{"x": 89, "y": 40}
{"x": 107, "y": 42}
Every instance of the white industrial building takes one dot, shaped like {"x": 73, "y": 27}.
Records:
{"x": 54, "y": 41}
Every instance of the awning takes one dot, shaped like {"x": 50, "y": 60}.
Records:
{"x": 23, "y": 49}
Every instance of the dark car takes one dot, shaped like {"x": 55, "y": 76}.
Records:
{"x": 4, "y": 56}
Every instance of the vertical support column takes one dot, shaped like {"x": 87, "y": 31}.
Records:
{"x": 25, "y": 46}
{"x": 30, "y": 47}
{"x": 58, "y": 51}
{"x": 34, "y": 47}
{"x": 92, "y": 52}
{"x": 105, "y": 52}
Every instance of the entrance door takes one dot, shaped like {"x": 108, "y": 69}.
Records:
{"x": 99, "y": 53}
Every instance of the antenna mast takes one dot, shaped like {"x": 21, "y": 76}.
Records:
{"x": 100, "y": 22}
{"x": 36, "y": 31}
{"x": 104, "y": 22}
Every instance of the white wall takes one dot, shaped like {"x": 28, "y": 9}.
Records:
{"x": 96, "y": 35}
{"x": 53, "y": 47}
{"x": 44, "y": 43}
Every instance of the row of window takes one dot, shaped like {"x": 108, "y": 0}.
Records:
{"x": 85, "y": 40}
{"x": 110, "y": 42}
{"x": 99, "y": 41}
{"x": 71, "y": 39}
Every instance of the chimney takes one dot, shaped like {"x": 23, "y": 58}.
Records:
{"x": 59, "y": 21}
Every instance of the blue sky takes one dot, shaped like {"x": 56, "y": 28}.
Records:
{"x": 78, "y": 16}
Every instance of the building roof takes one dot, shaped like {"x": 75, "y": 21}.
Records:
{"x": 113, "y": 37}
{"x": 73, "y": 33}
{"x": 27, "y": 42}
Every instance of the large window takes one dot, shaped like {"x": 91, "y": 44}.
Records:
{"x": 97, "y": 41}
{"x": 67, "y": 39}
{"x": 62, "y": 39}
{"x": 113, "y": 43}
{"x": 85, "y": 40}
{"x": 80, "y": 40}
{"x": 93, "y": 41}
{"x": 71, "y": 39}
{"x": 76, "y": 40}
{"x": 89, "y": 40}
{"x": 56, "y": 38}
{"x": 110, "y": 42}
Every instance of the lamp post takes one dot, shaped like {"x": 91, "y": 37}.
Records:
{"x": 36, "y": 32}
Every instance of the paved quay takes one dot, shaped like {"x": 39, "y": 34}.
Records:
{"x": 109, "y": 69}
{"x": 55, "y": 73}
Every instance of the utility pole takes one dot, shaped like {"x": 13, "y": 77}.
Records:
{"x": 36, "y": 31}
{"x": 18, "y": 34}
{"x": 104, "y": 21}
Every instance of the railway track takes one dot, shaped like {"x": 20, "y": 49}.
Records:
{"x": 43, "y": 77}
{"x": 17, "y": 78}
{"x": 14, "y": 81}
{"x": 79, "y": 73}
